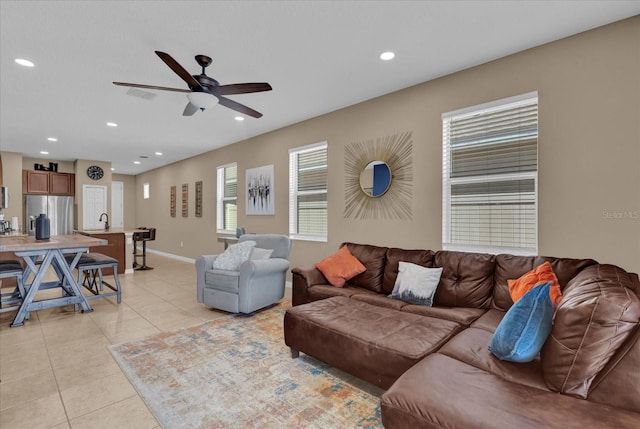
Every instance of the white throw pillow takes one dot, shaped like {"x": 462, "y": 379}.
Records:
{"x": 234, "y": 256}
{"x": 416, "y": 284}
{"x": 260, "y": 253}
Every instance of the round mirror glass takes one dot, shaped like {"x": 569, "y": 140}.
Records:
{"x": 375, "y": 178}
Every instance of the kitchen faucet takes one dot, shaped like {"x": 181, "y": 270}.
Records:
{"x": 106, "y": 224}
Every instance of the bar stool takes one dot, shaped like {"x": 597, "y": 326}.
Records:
{"x": 10, "y": 301}
{"x": 148, "y": 234}
{"x": 90, "y": 268}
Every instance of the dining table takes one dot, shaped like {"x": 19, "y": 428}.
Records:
{"x": 39, "y": 256}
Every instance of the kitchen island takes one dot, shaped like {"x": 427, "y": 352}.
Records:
{"x": 120, "y": 246}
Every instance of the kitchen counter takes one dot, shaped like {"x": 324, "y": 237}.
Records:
{"x": 107, "y": 231}
{"x": 120, "y": 245}
{"x": 13, "y": 234}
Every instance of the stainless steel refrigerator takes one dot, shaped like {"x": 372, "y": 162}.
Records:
{"x": 59, "y": 210}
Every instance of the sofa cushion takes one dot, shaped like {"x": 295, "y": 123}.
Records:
{"x": 598, "y": 312}
{"x": 374, "y": 259}
{"x": 467, "y": 279}
{"x": 394, "y": 256}
{"x": 513, "y": 266}
{"x": 340, "y": 267}
{"x": 526, "y": 326}
{"x": 379, "y": 300}
{"x": 463, "y": 316}
{"x": 540, "y": 274}
{"x": 327, "y": 291}
{"x": 489, "y": 321}
{"x": 471, "y": 346}
{"x": 234, "y": 256}
{"x": 225, "y": 280}
{"x": 441, "y": 392}
{"x": 416, "y": 284}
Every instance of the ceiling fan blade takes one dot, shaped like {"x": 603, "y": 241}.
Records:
{"x": 241, "y": 88}
{"x": 189, "y": 110}
{"x": 161, "y": 88}
{"x": 234, "y": 105}
{"x": 180, "y": 71}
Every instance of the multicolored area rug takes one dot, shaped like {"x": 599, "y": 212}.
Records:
{"x": 236, "y": 372}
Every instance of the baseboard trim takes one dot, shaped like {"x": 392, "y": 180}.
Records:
{"x": 172, "y": 256}
{"x": 287, "y": 284}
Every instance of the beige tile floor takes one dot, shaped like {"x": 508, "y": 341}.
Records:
{"x": 56, "y": 371}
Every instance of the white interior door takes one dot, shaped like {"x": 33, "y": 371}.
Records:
{"x": 117, "y": 205}
{"x": 94, "y": 203}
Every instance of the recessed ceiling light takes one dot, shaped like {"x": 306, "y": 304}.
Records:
{"x": 52, "y": 139}
{"x": 159, "y": 153}
{"x": 113, "y": 169}
{"x": 239, "y": 118}
{"x": 386, "y": 56}
{"x": 112, "y": 124}
{"x": 136, "y": 162}
{"x": 44, "y": 152}
{"x": 25, "y": 63}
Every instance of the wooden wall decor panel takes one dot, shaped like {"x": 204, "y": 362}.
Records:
{"x": 199, "y": 198}
{"x": 172, "y": 201}
{"x": 185, "y": 200}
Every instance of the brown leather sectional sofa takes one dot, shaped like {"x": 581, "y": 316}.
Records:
{"x": 435, "y": 363}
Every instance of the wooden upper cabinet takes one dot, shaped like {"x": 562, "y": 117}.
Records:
{"x": 62, "y": 183}
{"x": 35, "y": 182}
{"x": 46, "y": 182}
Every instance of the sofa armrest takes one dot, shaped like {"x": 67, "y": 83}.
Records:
{"x": 203, "y": 263}
{"x": 309, "y": 276}
{"x": 261, "y": 283}
{"x": 302, "y": 279}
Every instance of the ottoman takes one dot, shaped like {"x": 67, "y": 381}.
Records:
{"x": 376, "y": 344}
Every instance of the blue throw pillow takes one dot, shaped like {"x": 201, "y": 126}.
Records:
{"x": 526, "y": 326}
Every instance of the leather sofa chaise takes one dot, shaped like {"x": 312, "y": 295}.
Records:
{"x": 434, "y": 361}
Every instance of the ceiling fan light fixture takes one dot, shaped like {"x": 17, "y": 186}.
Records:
{"x": 202, "y": 100}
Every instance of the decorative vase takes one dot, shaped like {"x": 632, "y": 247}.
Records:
{"x": 43, "y": 226}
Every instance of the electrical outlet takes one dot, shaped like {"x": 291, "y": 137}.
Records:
{"x": 181, "y": 244}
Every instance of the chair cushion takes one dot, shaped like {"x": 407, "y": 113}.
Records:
{"x": 526, "y": 326}
{"x": 225, "y": 280}
{"x": 340, "y": 267}
{"x": 234, "y": 256}
{"x": 416, "y": 284}
{"x": 541, "y": 274}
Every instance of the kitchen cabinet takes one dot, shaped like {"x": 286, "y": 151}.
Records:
{"x": 48, "y": 183}
{"x": 115, "y": 248}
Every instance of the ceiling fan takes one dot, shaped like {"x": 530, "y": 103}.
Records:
{"x": 205, "y": 92}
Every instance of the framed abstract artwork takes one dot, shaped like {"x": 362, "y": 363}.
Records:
{"x": 260, "y": 191}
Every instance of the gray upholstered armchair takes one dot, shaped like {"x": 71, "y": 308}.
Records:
{"x": 258, "y": 284}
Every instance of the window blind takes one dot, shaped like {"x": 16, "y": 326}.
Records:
{"x": 227, "y": 207}
{"x": 308, "y": 192}
{"x": 490, "y": 163}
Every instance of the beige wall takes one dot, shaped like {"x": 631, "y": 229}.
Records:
{"x": 12, "y": 179}
{"x": 589, "y": 153}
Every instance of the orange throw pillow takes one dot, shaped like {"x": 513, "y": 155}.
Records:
{"x": 340, "y": 267}
{"x": 541, "y": 274}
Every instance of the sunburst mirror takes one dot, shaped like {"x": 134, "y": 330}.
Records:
{"x": 379, "y": 178}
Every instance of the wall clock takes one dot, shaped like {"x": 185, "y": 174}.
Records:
{"x": 95, "y": 172}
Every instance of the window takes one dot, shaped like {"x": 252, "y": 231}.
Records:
{"x": 145, "y": 191}
{"x": 227, "y": 219}
{"x": 308, "y": 192}
{"x": 490, "y": 173}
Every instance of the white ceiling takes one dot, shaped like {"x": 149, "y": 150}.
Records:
{"x": 319, "y": 56}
